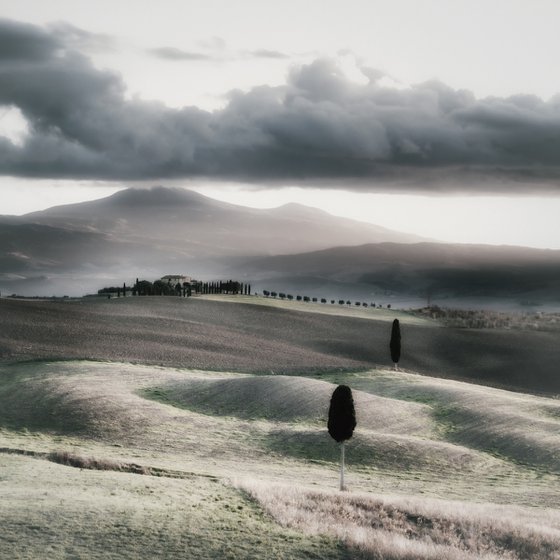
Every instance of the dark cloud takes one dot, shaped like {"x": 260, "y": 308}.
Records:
{"x": 20, "y": 41}
{"x": 318, "y": 127}
{"x": 171, "y": 53}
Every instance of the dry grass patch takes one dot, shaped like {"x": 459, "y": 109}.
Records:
{"x": 413, "y": 529}
{"x": 56, "y": 512}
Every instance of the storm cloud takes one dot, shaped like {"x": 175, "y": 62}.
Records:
{"x": 20, "y": 41}
{"x": 317, "y": 127}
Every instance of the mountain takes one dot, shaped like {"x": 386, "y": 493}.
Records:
{"x": 180, "y": 217}
{"x": 150, "y": 232}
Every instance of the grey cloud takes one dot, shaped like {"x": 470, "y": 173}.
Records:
{"x": 80, "y": 39}
{"x": 265, "y": 53}
{"x": 171, "y": 53}
{"x": 319, "y": 128}
{"x": 21, "y": 41}
{"x": 180, "y": 55}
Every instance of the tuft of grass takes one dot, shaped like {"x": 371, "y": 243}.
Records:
{"x": 69, "y": 459}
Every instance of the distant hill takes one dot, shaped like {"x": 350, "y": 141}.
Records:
{"x": 148, "y": 232}
{"x": 418, "y": 269}
{"x": 78, "y": 248}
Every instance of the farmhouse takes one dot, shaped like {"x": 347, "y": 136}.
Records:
{"x": 175, "y": 279}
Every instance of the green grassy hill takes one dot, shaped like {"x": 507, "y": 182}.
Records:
{"x": 216, "y": 435}
{"x": 111, "y": 459}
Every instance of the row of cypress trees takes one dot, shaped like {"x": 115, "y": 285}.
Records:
{"x": 161, "y": 288}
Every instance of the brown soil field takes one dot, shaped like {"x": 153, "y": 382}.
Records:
{"x": 218, "y": 335}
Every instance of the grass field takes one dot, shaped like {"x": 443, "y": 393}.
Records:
{"x": 336, "y": 310}
{"x": 179, "y": 461}
{"x": 272, "y": 336}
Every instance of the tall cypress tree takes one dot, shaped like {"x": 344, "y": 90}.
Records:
{"x": 395, "y": 344}
{"x": 342, "y": 421}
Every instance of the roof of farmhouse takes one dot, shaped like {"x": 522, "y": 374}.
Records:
{"x": 175, "y": 277}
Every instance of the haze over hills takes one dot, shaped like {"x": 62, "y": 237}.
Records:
{"x": 75, "y": 248}
{"x": 420, "y": 269}
{"x": 78, "y": 248}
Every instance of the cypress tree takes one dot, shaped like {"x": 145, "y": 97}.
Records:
{"x": 342, "y": 421}
{"x": 395, "y": 344}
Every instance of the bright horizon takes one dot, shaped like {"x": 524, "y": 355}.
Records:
{"x": 488, "y": 220}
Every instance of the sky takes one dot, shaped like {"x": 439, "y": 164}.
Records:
{"x": 440, "y": 118}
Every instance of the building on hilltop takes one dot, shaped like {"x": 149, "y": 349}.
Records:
{"x": 174, "y": 279}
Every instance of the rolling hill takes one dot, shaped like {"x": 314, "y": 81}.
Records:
{"x": 125, "y": 433}
{"x": 227, "y": 336}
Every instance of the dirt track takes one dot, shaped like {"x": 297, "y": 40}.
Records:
{"x": 202, "y": 334}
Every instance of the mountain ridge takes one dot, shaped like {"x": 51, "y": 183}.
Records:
{"x": 159, "y": 196}
{"x": 149, "y": 231}
{"x": 135, "y": 208}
